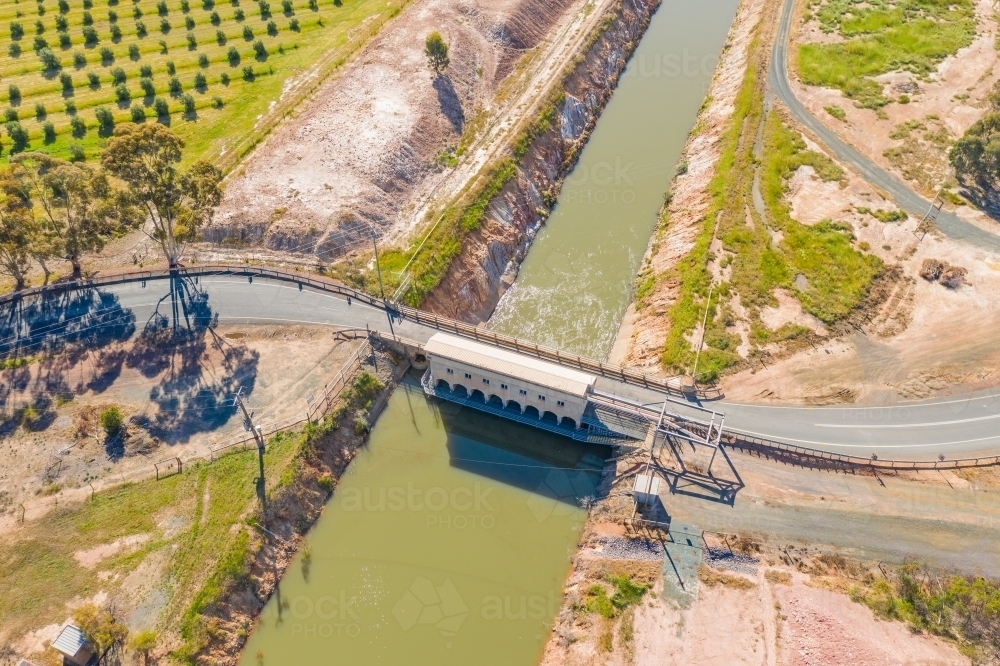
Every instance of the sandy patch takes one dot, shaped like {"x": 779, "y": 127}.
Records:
{"x": 364, "y": 149}
{"x": 88, "y": 559}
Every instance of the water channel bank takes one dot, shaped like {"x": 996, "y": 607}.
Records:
{"x": 490, "y": 255}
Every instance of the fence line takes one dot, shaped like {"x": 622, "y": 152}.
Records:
{"x": 806, "y": 457}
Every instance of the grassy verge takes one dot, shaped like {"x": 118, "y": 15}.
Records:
{"x": 818, "y": 263}
{"x": 43, "y": 554}
{"x": 880, "y": 37}
{"x": 217, "y": 67}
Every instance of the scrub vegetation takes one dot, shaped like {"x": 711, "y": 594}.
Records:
{"x": 882, "y": 36}
{"x": 961, "y": 608}
{"x": 817, "y": 264}
{"x": 209, "y": 69}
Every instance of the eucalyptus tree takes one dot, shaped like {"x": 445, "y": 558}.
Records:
{"x": 177, "y": 203}
{"x": 76, "y": 203}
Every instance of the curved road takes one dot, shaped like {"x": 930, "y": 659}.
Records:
{"x": 948, "y": 223}
{"x": 955, "y": 427}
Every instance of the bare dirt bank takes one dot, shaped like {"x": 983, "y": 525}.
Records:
{"x": 364, "y": 147}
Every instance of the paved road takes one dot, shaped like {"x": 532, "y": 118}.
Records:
{"x": 948, "y": 223}
{"x": 953, "y": 427}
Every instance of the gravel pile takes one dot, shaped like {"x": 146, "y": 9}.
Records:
{"x": 722, "y": 558}
{"x": 618, "y": 548}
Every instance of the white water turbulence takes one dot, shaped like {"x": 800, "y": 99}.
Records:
{"x": 574, "y": 287}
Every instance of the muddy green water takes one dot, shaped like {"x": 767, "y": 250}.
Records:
{"x": 577, "y": 281}
{"x": 449, "y": 538}
{"x": 447, "y": 542}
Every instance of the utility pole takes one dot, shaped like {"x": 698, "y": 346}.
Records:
{"x": 381, "y": 289}
{"x": 704, "y": 323}
{"x": 259, "y": 437}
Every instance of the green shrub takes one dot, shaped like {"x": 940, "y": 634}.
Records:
{"x": 112, "y": 421}
{"x": 188, "y": 102}
{"x": 79, "y": 60}
{"x": 76, "y": 152}
{"x": 105, "y": 120}
{"x": 122, "y": 94}
{"x": 93, "y": 79}
{"x": 50, "y": 60}
{"x": 49, "y": 131}
{"x": 146, "y": 71}
{"x": 40, "y": 111}
{"x": 18, "y": 135}
{"x": 138, "y": 114}
{"x": 77, "y": 127}
{"x": 161, "y": 107}
{"x": 118, "y": 75}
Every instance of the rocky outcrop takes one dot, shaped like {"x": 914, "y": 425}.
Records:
{"x": 492, "y": 253}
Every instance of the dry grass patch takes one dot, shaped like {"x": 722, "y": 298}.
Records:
{"x": 713, "y": 577}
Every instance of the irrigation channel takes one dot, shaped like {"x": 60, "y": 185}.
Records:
{"x": 449, "y": 538}
{"x": 575, "y": 285}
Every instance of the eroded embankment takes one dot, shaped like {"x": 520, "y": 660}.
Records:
{"x": 499, "y": 236}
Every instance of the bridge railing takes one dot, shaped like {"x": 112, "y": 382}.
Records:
{"x": 668, "y": 385}
{"x": 808, "y": 457}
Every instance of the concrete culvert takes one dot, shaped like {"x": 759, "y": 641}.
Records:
{"x": 931, "y": 269}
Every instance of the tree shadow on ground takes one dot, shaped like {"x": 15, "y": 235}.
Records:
{"x": 50, "y": 334}
{"x": 196, "y": 387}
{"x": 451, "y": 107}
{"x": 985, "y": 198}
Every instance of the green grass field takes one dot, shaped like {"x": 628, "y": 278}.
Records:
{"x": 215, "y": 72}
{"x": 881, "y": 37}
